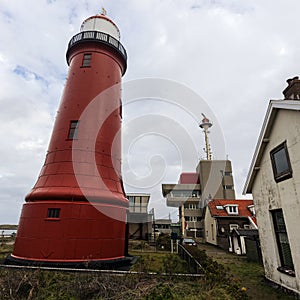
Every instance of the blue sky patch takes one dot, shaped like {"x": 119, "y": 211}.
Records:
{"x": 28, "y": 75}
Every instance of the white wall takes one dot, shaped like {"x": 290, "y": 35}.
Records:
{"x": 210, "y": 228}
{"x": 268, "y": 195}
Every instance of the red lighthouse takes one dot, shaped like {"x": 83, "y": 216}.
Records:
{"x": 76, "y": 212}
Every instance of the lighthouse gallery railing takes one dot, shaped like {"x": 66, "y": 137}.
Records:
{"x": 98, "y": 36}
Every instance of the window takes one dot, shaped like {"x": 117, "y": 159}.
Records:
{"x": 227, "y": 173}
{"x": 283, "y": 244}
{"x": 195, "y": 193}
{"x": 190, "y": 219}
{"x": 137, "y": 204}
{"x": 120, "y": 108}
{"x": 53, "y": 212}
{"x": 232, "y": 209}
{"x": 233, "y": 226}
{"x": 73, "y": 130}
{"x": 183, "y": 193}
{"x": 228, "y": 187}
{"x": 86, "y": 62}
{"x": 131, "y": 201}
{"x": 252, "y": 209}
{"x": 281, "y": 163}
{"x": 191, "y": 206}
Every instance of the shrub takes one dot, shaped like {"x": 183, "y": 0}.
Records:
{"x": 163, "y": 242}
{"x": 161, "y": 292}
{"x": 217, "y": 277}
{"x": 173, "y": 264}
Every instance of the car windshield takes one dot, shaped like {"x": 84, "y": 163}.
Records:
{"x": 188, "y": 241}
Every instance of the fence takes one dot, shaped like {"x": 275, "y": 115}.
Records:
{"x": 193, "y": 265}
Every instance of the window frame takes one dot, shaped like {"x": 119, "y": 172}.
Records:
{"x": 287, "y": 173}
{"x": 228, "y": 187}
{"x": 53, "y": 213}
{"x": 73, "y": 131}
{"x": 86, "y": 60}
{"x": 233, "y": 226}
{"x": 232, "y": 209}
{"x": 279, "y": 231}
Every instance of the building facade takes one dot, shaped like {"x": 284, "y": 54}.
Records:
{"x": 162, "y": 226}
{"x": 213, "y": 180}
{"x": 186, "y": 197}
{"x": 216, "y": 180}
{"x": 274, "y": 181}
{"x": 139, "y": 220}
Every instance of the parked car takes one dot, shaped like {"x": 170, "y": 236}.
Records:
{"x": 190, "y": 242}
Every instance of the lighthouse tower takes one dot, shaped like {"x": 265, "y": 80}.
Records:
{"x": 76, "y": 213}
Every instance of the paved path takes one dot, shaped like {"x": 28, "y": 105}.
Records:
{"x": 219, "y": 254}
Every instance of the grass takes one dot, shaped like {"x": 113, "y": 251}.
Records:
{"x": 251, "y": 275}
{"x": 248, "y": 274}
{"x": 153, "y": 261}
{"x": 5, "y": 249}
{"x": 8, "y": 227}
{"x": 40, "y": 284}
{"x": 220, "y": 283}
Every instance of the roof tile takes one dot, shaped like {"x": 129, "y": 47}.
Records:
{"x": 243, "y": 210}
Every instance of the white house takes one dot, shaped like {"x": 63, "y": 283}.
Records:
{"x": 274, "y": 181}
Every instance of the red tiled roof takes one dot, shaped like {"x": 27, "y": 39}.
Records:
{"x": 243, "y": 210}
{"x": 254, "y": 220}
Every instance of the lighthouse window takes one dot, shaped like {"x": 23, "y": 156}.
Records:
{"x": 73, "y": 131}
{"x": 86, "y": 62}
{"x": 53, "y": 212}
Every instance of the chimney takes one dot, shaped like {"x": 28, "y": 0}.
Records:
{"x": 292, "y": 91}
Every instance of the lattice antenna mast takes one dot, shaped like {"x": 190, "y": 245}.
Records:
{"x": 205, "y": 125}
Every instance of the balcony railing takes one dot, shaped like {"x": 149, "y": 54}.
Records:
{"x": 98, "y": 37}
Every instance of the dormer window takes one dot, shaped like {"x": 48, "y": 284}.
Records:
{"x": 252, "y": 209}
{"x": 232, "y": 209}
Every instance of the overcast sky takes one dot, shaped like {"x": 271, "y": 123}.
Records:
{"x": 235, "y": 54}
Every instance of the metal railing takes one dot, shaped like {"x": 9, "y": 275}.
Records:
{"x": 193, "y": 264}
{"x": 98, "y": 37}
